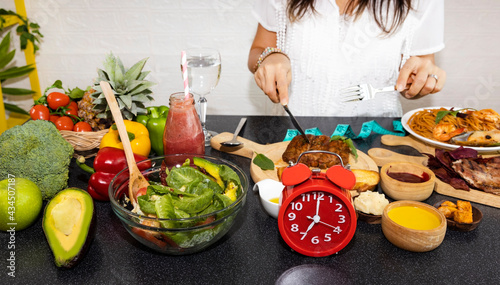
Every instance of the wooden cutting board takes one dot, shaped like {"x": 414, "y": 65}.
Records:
{"x": 382, "y": 156}
{"x": 274, "y": 152}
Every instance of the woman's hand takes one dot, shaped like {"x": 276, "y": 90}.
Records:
{"x": 273, "y": 76}
{"x": 419, "y": 73}
{"x": 274, "y": 73}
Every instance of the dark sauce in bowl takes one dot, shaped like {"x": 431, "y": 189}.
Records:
{"x": 408, "y": 177}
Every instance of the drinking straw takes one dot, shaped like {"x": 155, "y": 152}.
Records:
{"x": 185, "y": 75}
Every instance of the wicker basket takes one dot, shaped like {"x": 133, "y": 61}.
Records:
{"x": 84, "y": 141}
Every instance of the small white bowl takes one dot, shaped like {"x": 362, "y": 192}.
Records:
{"x": 269, "y": 189}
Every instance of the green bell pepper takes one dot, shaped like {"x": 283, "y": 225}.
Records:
{"x": 155, "y": 120}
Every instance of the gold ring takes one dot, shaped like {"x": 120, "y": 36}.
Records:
{"x": 433, "y": 76}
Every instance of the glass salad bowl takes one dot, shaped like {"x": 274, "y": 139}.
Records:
{"x": 204, "y": 197}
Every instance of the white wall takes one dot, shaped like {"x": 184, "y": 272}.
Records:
{"x": 78, "y": 34}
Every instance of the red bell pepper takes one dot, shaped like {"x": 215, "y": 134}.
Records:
{"x": 107, "y": 163}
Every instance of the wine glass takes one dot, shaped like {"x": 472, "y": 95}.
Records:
{"x": 203, "y": 68}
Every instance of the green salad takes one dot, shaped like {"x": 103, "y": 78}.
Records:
{"x": 190, "y": 195}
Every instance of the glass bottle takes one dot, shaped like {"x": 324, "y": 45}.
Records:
{"x": 183, "y": 132}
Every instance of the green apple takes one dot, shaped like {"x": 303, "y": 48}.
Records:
{"x": 20, "y": 203}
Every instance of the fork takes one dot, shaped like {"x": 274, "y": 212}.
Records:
{"x": 361, "y": 92}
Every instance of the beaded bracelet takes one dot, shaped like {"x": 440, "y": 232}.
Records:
{"x": 267, "y": 52}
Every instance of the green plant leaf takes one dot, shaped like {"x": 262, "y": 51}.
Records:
{"x": 13, "y": 108}
{"x": 57, "y": 84}
{"x": 15, "y": 71}
{"x": 263, "y": 162}
{"x": 134, "y": 72}
{"x": 76, "y": 93}
{"x": 5, "y": 44}
{"x": 4, "y": 60}
{"x": 17, "y": 91}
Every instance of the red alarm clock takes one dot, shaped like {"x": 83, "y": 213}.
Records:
{"x": 317, "y": 217}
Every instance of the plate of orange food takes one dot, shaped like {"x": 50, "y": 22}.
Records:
{"x": 452, "y": 127}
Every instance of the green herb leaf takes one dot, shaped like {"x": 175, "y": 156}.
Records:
{"x": 349, "y": 142}
{"x": 441, "y": 114}
{"x": 263, "y": 162}
{"x": 76, "y": 93}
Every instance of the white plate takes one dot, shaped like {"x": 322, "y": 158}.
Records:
{"x": 406, "y": 117}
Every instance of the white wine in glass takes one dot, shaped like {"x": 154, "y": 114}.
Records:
{"x": 203, "y": 67}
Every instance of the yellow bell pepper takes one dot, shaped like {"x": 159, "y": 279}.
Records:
{"x": 138, "y": 135}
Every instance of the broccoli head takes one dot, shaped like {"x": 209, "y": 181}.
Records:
{"x": 36, "y": 151}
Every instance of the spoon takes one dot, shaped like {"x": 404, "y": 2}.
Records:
{"x": 136, "y": 180}
{"x": 234, "y": 142}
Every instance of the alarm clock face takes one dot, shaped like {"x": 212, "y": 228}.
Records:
{"x": 317, "y": 223}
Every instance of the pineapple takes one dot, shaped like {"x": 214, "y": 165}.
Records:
{"x": 130, "y": 89}
{"x": 86, "y": 112}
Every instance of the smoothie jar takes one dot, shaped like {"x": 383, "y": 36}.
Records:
{"x": 183, "y": 132}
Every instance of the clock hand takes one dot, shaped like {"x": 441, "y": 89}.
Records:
{"x": 317, "y": 205}
{"x": 327, "y": 225}
{"x": 321, "y": 222}
{"x": 308, "y": 229}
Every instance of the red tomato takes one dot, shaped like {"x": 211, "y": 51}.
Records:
{"x": 64, "y": 123}
{"x": 57, "y": 99}
{"x": 141, "y": 191}
{"x": 39, "y": 112}
{"x": 73, "y": 109}
{"x": 82, "y": 127}
{"x": 53, "y": 118}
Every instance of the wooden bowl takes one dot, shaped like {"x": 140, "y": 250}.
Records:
{"x": 399, "y": 190}
{"x": 411, "y": 239}
{"x": 477, "y": 216}
{"x": 369, "y": 218}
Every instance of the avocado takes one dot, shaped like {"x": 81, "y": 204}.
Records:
{"x": 69, "y": 225}
{"x": 210, "y": 167}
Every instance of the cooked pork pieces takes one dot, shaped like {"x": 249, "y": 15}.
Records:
{"x": 480, "y": 173}
{"x": 299, "y": 145}
{"x": 464, "y": 167}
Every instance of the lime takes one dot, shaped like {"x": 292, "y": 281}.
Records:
{"x": 20, "y": 203}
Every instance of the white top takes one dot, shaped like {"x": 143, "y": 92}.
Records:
{"x": 328, "y": 53}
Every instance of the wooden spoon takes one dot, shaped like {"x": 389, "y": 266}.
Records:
{"x": 137, "y": 180}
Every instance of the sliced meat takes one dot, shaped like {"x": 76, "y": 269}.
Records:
{"x": 480, "y": 173}
{"x": 298, "y": 145}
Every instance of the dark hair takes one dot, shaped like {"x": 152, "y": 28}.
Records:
{"x": 379, "y": 9}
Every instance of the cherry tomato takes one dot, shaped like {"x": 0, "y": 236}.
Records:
{"x": 64, "y": 123}
{"x": 141, "y": 191}
{"x": 82, "y": 127}
{"x": 73, "y": 109}
{"x": 53, "y": 118}
{"x": 57, "y": 99}
{"x": 39, "y": 112}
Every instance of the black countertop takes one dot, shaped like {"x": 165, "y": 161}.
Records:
{"x": 253, "y": 251}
